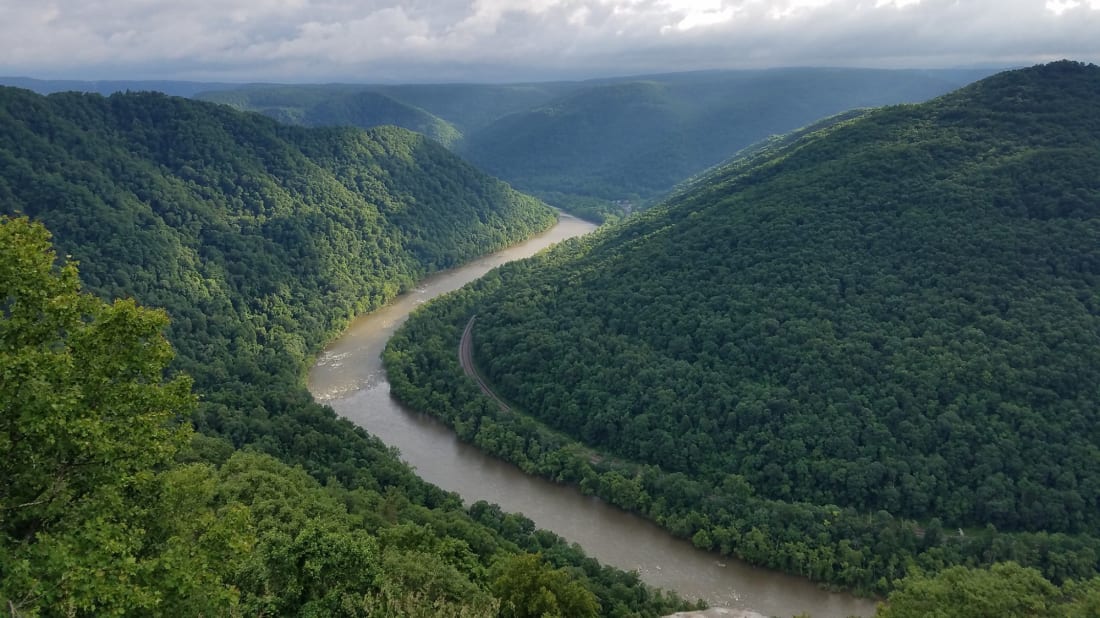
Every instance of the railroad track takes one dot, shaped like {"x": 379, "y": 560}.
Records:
{"x": 466, "y": 359}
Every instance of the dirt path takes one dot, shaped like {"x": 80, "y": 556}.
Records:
{"x": 466, "y": 359}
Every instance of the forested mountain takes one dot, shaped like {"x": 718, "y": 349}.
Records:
{"x": 870, "y": 347}
{"x": 631, "y": 140}
{"x": 233, "y": 217}
{"x": 472, "y": 107}
{"x": 603, "y": 147}
{"x": 107, "y": 87}
{"x": 466, "y": 107}
{"x": 337, "y": 105}
{"x": 259, "y": 240}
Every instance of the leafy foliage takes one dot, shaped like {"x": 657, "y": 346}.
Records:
{"x": 86, "y": 416}
{"x": 528, "y": 589}
{"x": 1003, "y": 591}
{"x": 829, "y": 356}
{"x": 260, "y": 241}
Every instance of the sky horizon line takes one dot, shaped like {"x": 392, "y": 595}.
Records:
{"x": 987, "y": 66}
{"x": 509, "y": 41}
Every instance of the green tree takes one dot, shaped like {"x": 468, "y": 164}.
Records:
{"x": 1083, "y": 598}
{"x": 86, "y": 414}
{"x": 1004, "y": 591}
{"x": 529, "y": 588}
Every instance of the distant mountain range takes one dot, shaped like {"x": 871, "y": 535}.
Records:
{"x": 602, "y": 147}
{"x": 111, "y": 86}
{"x": 599, "y": 148}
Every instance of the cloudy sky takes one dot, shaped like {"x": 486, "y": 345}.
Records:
{"x": 499, "y": 40}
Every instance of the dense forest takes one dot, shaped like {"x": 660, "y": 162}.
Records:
{"x": 1006, "y": 590}
{"x": 259, "y": 239}
{"x": 334, "y": 106}
{"x": 602, "y": 148}
{"x": 865, "y": 350}
{"x": 131, "y": 492}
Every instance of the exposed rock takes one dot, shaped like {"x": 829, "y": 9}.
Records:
{"x": 717, "y": 612}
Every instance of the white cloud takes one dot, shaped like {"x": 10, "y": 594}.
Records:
{"x": 900, "y": 4}
{"x": 310, "y": 40}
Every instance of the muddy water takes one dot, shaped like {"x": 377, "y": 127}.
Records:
{"x": 349, "y": 377}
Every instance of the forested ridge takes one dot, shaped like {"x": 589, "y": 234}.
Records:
{"x": 607, "y": 147}
{"x": 466, "y": 107}
{"x": 259, "y": 241}
{"x": 871, "y": 348}
{"x": 634, "y": 139}
{"x": 335, "y": 106}
{"x": 108, "y": 87}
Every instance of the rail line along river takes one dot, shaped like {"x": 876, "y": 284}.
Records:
{"x": 349, "y": 377}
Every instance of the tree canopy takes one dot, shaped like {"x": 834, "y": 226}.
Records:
{"x": 86, "y": 417}
{"x": 869, "y": 346}
{"x": 1005, "y": 590}
{"x": 259, "y": 241}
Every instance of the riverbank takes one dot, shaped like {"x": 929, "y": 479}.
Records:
{"x": 349, "y": 376}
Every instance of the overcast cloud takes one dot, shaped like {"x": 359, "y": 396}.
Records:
{"x": 497, "y": 40}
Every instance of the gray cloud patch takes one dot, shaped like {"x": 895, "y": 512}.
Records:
{"x": 312, "y": 40}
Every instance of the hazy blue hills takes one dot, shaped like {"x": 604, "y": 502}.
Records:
{"x": 466, "y": 107}
{"x": 336, "y": 106}
{"x": 869, "y": 346}
{"x": 106, "y": 87}
{"x": 600, "y": 147}
{"x": 471, "y": 107}
{"x": 635, "y": 139}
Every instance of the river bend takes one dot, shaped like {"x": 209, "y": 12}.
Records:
{"x": 349, "y": 377}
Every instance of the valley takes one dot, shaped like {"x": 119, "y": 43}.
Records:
{"x": 745, "y": 357}
{"x": 257, "y": 242}
{"x": 601, "y": 148}
{"x": 349, "y": 377}
{"x": 861, "y": 356}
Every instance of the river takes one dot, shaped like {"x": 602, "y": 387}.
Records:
{"x": 349, "y": 377}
